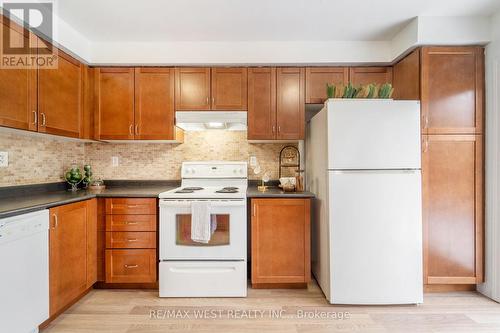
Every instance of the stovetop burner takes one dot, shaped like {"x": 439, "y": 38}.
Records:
{"x": 228, "y": 190}
{"x": 184, "y": 191}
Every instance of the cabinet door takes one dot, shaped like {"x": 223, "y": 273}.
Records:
{"x": 60, "y": 98}
{"x": 68, "y": 254}
{"x": 290, "y": 110}
{"x": 154, "y": 104}
{"x": 92, "y": 231}
{"x": 452, "y": 90}
{"x": 18, "y": 107}
{"x": 406, "y": 77}
{"x": 261, "y": 104}
{"x": 280, "y": 241}
{"x": 115, "y": 103}
{"x": 452, "y": 172}
{"x": 366, "y": 75}
{"x": 229, "y": 88}
{"x": 192, "y": 88}
{"x": 318, "y": 77}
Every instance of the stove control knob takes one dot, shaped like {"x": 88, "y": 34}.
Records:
{"x": 241, "y": 171}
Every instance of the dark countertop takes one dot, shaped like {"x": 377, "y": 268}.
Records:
{"x": 24, "y": 200}
{"x": 276, "y": 192}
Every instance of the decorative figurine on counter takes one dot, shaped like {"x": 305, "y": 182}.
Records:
{"x": 88, "y": 175}
{"x": 254, "y": 164}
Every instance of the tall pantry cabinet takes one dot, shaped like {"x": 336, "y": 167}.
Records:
{"x": 451, "y": 82}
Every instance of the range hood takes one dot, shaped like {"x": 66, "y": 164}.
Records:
{"x": 206, "y": 120}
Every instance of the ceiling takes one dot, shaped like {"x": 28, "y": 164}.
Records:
{"x": 255, "y": 20}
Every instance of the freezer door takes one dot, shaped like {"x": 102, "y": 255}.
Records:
{"x": 376, "y": 237}
{"x": 373, "y": 134}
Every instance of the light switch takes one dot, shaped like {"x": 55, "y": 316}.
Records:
{"x": 4, "y": 159}
{"x": 114, "y": 161}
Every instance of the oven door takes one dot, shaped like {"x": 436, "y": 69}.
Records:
{"x": 228, "y": 241}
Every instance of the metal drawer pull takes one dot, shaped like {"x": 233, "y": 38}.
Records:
{"x": 130, "y": 223}
{"x": 132, "y": 206}
{"x": 131, "y": 266}
{"x": 132, "y": 240}
{"x": 35, "y": 121}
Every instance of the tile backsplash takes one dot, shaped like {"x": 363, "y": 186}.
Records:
{"x": 42, "y": 159}
{"x": 37, "y": 158}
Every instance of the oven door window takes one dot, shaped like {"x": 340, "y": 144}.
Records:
{"x": 220, "y": 236}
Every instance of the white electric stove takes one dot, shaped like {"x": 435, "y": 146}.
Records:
{"x": 219, "y": 267}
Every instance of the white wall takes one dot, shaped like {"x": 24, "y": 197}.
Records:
{"x": 420, "y": 31}
{"x": 491, "y": 287}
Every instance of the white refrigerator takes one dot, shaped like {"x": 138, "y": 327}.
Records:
{"x": 363, "y": 164}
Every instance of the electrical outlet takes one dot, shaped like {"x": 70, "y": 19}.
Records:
{"x": 253, "y": 161}
{"x": 114, "y": 161}
{"x": 4, "y": 159}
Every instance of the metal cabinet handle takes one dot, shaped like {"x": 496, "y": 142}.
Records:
{"x": 254, "y": 210}
{"x": 131, "y": 129}
{"x": 137, "y": 129}
{"x": 56, "y": 221}
{"x": 129, "y": 223}
{"x": 132, "y": 240}
{"x": 131, "y": 266}
{"x": 213, "y": 100}
{"x": 44, "y": 119}
{"x": 208, "y": 101}
{"x": 35, "y": 117}
{"x": 279, "y": 128}
{"x": 132, "y": 206}
{"x": 426, "y": 121}
{"x": 274, "y": 128}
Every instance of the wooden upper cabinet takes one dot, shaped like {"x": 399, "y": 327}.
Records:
{"x": 452, "y": 90}
{"x": 280, "y": 241}
{"x": 192, "y": 88}
{"x": 154, "y": 104}
{"x": 114, "y": 89}
{"x": 290, "y": 106}
{"x": 68, "y": 254}
{"x": 229, "y": 88}
{"x": 60, "y": 97}
{"x": 452, "y": 169}
{"x": 366, "y": 75}
{"x": 406, "y": 77}
{"x": 318, "y": 77}
{"x": 18, "y": 107}
{"x": 261, "y": 103}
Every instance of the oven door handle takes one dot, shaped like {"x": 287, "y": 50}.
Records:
{"x": 187, "y": 203}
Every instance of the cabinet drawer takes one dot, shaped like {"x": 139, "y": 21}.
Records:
{"x": 131, "y": 240}
{"x": 130, "y": 222}
{"x": 131, "y": 206}
{"x": 131, "y": 266}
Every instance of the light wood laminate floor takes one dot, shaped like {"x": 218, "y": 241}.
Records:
{"x": 140, "y": 311}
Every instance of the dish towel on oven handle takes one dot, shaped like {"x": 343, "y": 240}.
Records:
{"x": 203, "y": 224}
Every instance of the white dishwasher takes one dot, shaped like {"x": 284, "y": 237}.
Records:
{"x": 24, "y": 272}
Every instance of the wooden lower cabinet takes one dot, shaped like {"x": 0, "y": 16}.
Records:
{"x": 281, "y": 244}
{"x": 130, "y": 240}
{"x": 452, "y": 170}
{"x": 72, "y": 252}
{"x": 131, "y": 266}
